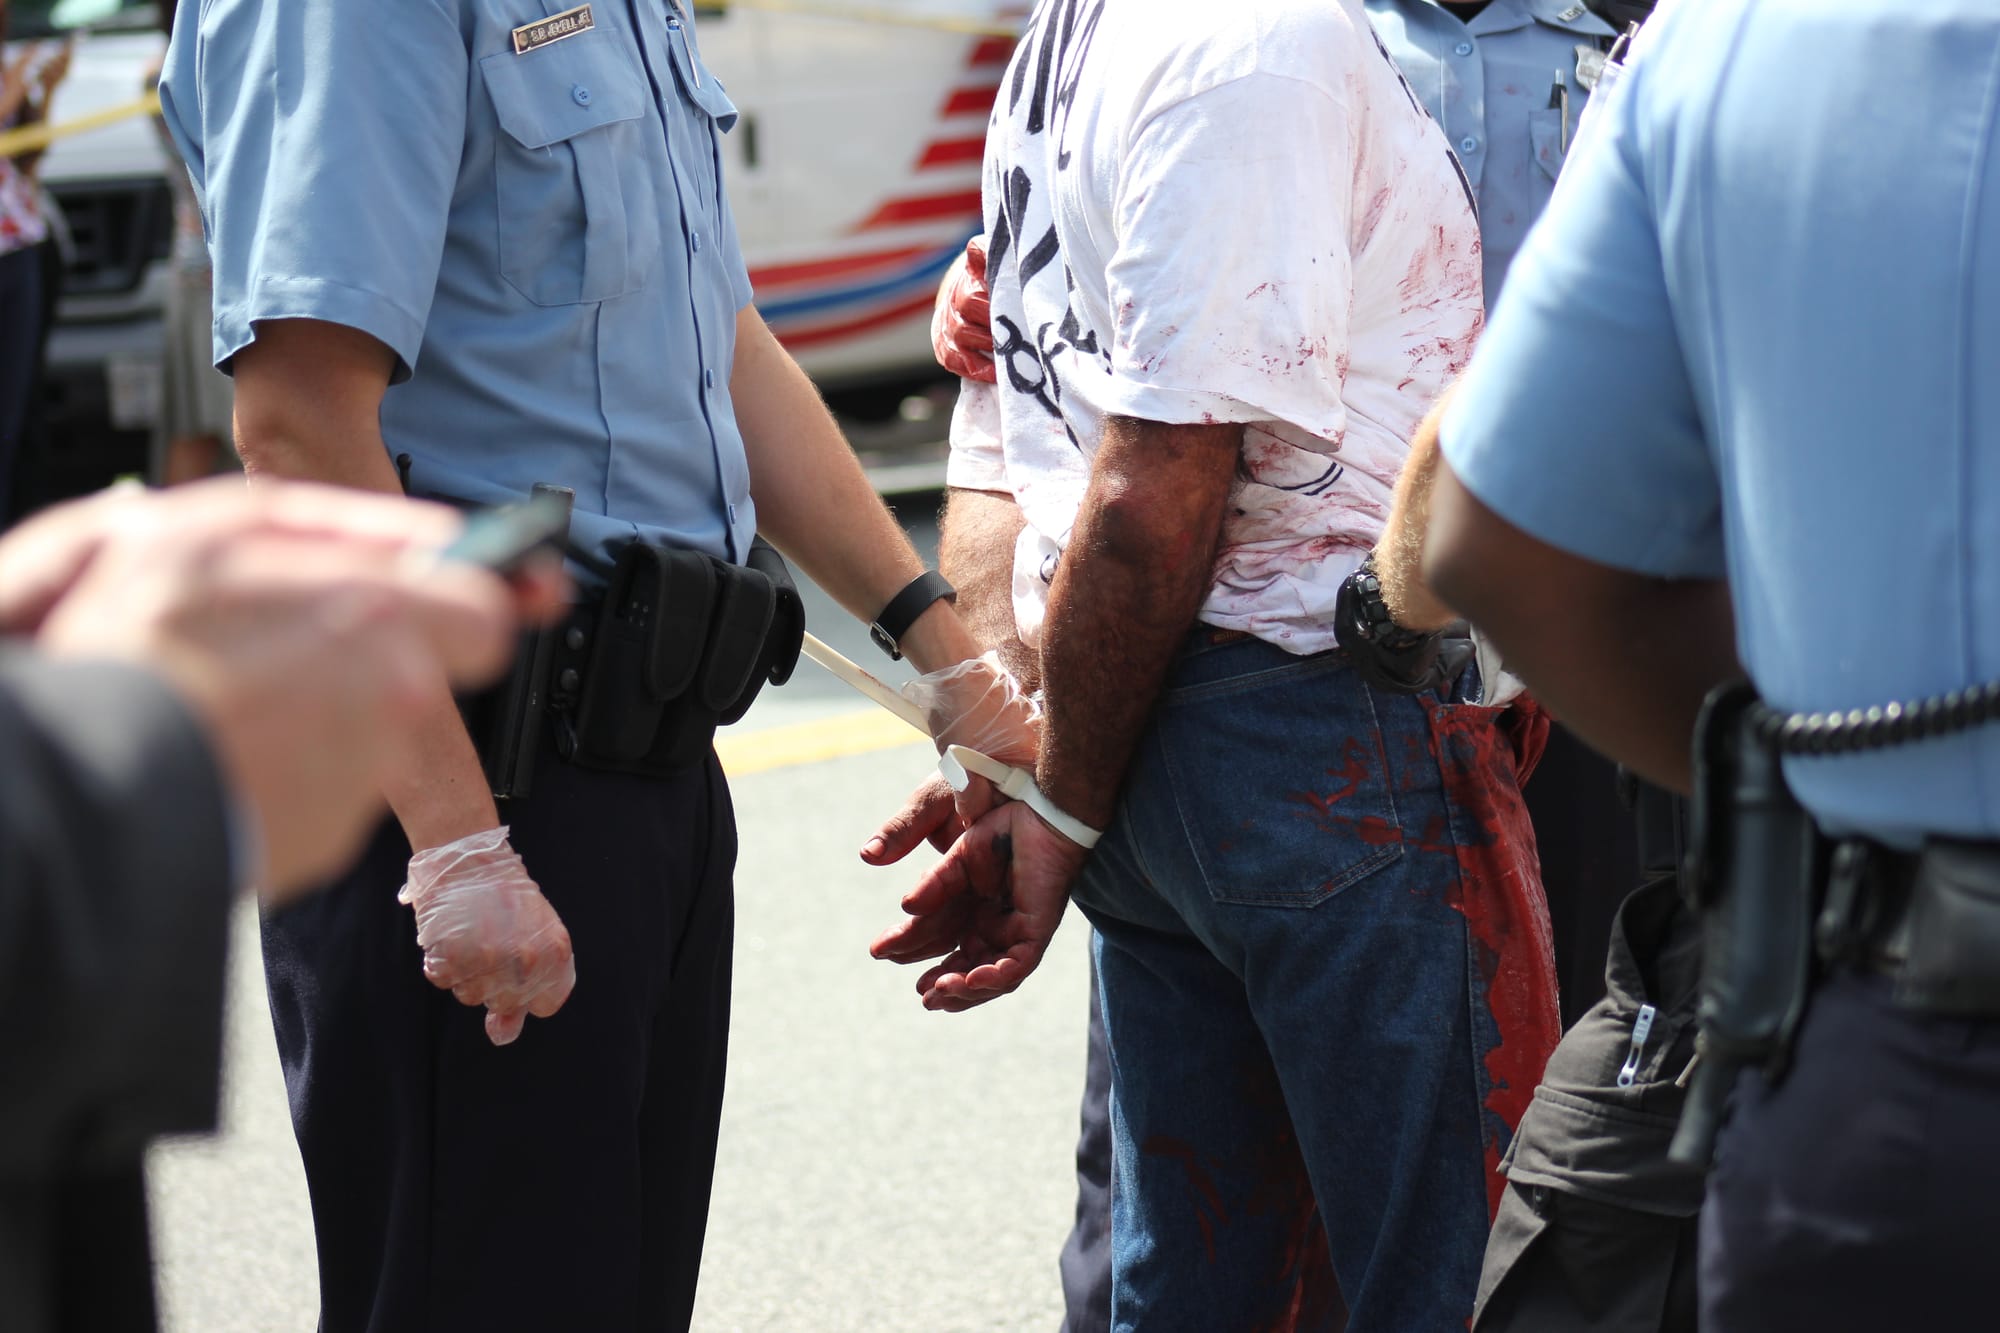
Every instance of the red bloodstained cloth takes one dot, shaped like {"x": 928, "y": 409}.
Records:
{"x": 1486, "y": 756}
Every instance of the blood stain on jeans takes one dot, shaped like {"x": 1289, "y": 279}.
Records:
{"x": 1209, "y": 1210}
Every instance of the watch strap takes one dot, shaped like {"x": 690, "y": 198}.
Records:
{"x": 904, "y": 608}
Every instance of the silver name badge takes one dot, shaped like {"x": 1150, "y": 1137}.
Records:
{"x": 534, "y": 36}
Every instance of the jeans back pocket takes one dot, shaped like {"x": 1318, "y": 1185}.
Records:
{"x": 1281, "y": 781}
{"x": 571, "y": 115}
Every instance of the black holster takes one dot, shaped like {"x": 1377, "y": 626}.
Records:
{"x": 1755, "y": 863}
{"x": 505, "y": 722}
{"x": 680, "y": 644}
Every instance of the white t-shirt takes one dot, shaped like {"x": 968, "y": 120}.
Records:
{"x": 1201, "y": 212}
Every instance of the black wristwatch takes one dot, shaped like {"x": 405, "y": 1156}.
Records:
{"x": 904, "y": 608}
{"x": 1368, "y": 615}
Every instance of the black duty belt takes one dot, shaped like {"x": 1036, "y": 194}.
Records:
{"x": 638, "y": 679}
{"x": 1928, "y": 921}
{"x": 1780, "y": 900}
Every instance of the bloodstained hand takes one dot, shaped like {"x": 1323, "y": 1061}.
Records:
{"x": 989, "y": 909}
{"x": 962, "y": 323}
{"x": 931, "y": 814}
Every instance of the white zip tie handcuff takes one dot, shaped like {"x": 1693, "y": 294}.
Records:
{"x": 958, "y": 763}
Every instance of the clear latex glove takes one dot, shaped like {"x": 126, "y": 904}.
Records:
{"x": 979, "y": 704}
{"x": 488, "y": 935}
{"x": 962, "y": 321}
{"x": 982, "y": 706}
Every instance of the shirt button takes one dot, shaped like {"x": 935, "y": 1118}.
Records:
{"x": 1468, "y": 144}
{"x": 696, "y": 238}
{"x": 1463, "y": 48}
{"x": 732, "y": 513}
{"x": 580, "y": 95}
{"x": 708, "y": 378}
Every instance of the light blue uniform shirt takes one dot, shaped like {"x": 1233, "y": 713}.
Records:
{"x": 542, "y": 238}
{"x": 1487, "y": 84}
{"x": 1760, "y": 336}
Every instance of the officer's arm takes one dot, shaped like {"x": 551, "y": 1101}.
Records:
{"x": 308, "y": 406}
{"x": 1623, "y": 658}
{"x": 815, "y": 504}
{"x": 1399, "y": 554}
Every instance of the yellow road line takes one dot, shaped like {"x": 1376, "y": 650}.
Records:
{"x": 744, "y": 753}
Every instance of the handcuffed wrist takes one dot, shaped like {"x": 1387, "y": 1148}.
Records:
{"x": 958, "y": 763}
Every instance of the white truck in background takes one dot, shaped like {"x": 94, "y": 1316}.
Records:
{"x": 854, "y": 172}
{"x": 102, "y": 387}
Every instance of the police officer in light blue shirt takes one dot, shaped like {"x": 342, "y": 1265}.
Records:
{"x": 1507, "y": 81}
{"x": 467, "y": 247}
{"x": 1739, "y": 402}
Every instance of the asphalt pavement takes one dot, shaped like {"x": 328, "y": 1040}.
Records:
{"x": 880, "y": 1169}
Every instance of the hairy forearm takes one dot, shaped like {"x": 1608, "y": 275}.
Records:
{"x": 1399, "y": 555}
{"x": 1624, "y": 659}
{"x": 1139, "y": 565}
{"x": 294, "y": 423}
{"x": 816, "y": 505}
{"x": 976, "y": 542}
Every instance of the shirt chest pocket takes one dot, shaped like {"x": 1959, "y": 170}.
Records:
{"x": 577, "y": 215}
{"x": 1548, "y": 140}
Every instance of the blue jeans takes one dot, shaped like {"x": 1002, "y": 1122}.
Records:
{"x": 1290, "y": 994}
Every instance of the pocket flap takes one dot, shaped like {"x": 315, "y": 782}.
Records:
{"x": 687, "y": 600}
{"x": 712, "y": 99}
{"x": 697, "y": 80}
{"x": 744, "y": 606}
{"x": 563, "y": 90}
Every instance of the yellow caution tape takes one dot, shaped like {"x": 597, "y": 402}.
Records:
{"x": 34, "y": 138}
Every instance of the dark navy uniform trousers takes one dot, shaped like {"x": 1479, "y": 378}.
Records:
{"x": 1861, "y": 1193}
{"x": 558, "y": 1183}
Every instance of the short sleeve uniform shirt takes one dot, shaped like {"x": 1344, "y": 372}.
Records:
{"x": 1755, "y": 336}
{"x": 1505, "y": 88}
{"x": 524, "y": 201}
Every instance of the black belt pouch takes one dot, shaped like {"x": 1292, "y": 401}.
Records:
{"x": 645, "y": 651}
{"x": 784, "y": 638}
{"x": 683, "y": 643}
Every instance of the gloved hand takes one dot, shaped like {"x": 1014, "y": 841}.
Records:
{"x": 962, "y": 323}
{"x": 980, "y": 705}
{"x": 488, "y": 935}
{"x": 977, "y": 704}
